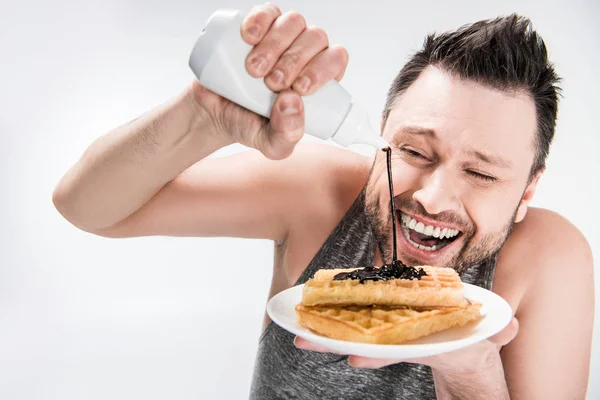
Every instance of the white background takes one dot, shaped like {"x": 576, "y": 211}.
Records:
{"x": 83, "y": 317}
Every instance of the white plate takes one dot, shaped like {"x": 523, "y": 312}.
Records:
{"x": 495, "y": 311}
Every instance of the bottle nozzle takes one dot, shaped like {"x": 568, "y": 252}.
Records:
{"x": 356, "y": 129}
{"x": 376, "y": 141}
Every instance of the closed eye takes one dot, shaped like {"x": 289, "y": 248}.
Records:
{"x": 481, "y": 176}
{"x": 413, "y": 153}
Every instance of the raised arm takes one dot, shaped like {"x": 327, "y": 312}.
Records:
{"x": 150, "y": 176}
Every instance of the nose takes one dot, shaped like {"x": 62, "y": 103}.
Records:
{"x": 437, "y": 193}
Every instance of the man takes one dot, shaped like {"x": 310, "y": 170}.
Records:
{"x": 470, "y": 119}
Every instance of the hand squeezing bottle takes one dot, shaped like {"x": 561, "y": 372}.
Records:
{"x": 218, "y": 62}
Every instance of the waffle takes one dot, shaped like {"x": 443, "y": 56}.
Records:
{"x": 383, "y": 325}
{"x": 441, "y": 287}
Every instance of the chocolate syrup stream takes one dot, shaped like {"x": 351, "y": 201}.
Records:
{"x": 388, "y": 151}
{"x": 396, "y": 269}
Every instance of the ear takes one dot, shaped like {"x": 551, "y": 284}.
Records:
{"x": 528, "y": 195}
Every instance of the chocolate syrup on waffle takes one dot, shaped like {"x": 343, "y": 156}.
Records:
{"x": 396, "y": 269}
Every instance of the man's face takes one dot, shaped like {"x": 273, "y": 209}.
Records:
{"x": 461, "y": 156}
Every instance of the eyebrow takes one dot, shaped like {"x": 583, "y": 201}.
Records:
{"x": 490, "y": 159}
{"x": 417, "y": 131}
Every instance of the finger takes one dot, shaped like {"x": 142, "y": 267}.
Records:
{"x": 365, "y": 362}
{"x": 345, "y": 57}
{"x": 280, "y": 36}
{"x": 329, "y": 64}
{"x": 286, "y": 127}
{"x": 507, "y": 334}
{"x": 258, "y": 21}
{"x": 310, "y": 43}
{"x": 306, "y": 345}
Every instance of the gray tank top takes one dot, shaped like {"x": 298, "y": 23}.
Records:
{"x": 283, "y": 371}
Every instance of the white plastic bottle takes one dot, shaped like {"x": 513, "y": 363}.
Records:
{"x": 218, "y": 60}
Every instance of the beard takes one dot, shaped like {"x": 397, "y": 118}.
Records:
{"x": 473, "y": 251}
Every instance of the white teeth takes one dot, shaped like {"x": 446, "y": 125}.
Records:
{"x": 432, "y": 248}
{"x": 420, "y": 227}
{"x": 428, "y": 230}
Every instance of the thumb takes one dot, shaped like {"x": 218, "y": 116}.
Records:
{"x": 507, "y": 334}
{"x": 286, "y": 126}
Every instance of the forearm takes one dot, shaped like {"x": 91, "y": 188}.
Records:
{"x": 125, "y": 168}
{"x": 489, "y": 383}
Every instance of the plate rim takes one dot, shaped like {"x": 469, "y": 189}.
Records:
{"x": 367, "y": 349}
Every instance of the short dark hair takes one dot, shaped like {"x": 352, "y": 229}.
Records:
{"x": 503, "y": 53}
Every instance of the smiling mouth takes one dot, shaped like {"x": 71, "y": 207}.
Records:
{"x": 426, "y": 237}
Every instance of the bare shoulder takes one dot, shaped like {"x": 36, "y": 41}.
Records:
{"x": 334, "y": 177}
{"x": 545, "y": 271}
{"x": 331, "y": 179}
{"x": 550, "y": 234}
{"x": 334, "y": 166}
{"x": 545, "y": 252}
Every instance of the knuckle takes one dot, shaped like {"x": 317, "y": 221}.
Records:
{"x": 273, "y": 8}
{"x": 340, "y": 53}
{"x": 319, "y": 35}
{"x": 254, "y": 10}
{"x": 263, "y": 15}
{"x": 295, "y": 18}
{"x": 259, "y": 17}
{"x": 288, "y": 62}
{"x": 274, "y": 46}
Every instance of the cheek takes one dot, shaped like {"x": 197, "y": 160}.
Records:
{"x": 491, "y": 209}
{"x": 378, "y": 193}
{"x": 406, "y": 178}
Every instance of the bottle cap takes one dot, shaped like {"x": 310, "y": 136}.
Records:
{"x": 207, "y": 41}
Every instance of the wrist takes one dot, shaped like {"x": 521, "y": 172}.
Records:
{"x": 179, "y": 134}
{"x": 488, "y": 381}
{"x": 202, "y": 104}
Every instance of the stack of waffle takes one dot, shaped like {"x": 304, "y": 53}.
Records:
{"x": 385, "y": 311}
